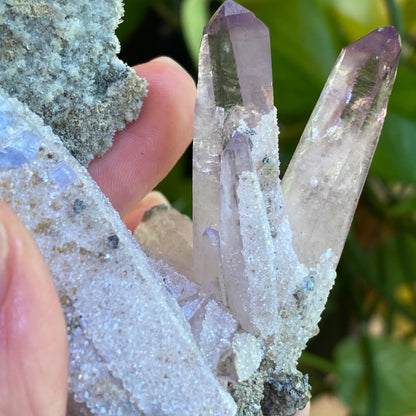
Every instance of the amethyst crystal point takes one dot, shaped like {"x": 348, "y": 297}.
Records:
{"x": 239, "y": 48}
{"x": 237, "y": 154}
{"x": 325, "y": 177}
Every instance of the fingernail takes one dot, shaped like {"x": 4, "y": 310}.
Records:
{"x": 156, "y": 198}
{"x": 4, "y": 254}
{"x": 167, "y": 60}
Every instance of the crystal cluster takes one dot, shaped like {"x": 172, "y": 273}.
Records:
{"x": 211, "y": 324}
{"x": 276, "y": 250}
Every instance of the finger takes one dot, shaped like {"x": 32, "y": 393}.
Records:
{"x": 304, "y": 412}
{"x": 33, "y": 342}
{"x": 152, "y": 199}
{"x": 145, "y": 151}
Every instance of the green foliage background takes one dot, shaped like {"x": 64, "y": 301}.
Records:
{"x": 365, "y": 352}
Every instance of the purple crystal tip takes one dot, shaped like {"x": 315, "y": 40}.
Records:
{"x": 227, "y": 9}
{"x": 382, "y": 42}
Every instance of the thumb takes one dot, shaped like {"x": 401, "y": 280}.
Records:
{"x": 33, "y": 342}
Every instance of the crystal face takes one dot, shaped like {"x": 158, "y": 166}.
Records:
{"x": 129, "y": 341}
{"x": 241, "y": 67}
{"x": 334, "y": 154}
{"x": 214, "y": 328}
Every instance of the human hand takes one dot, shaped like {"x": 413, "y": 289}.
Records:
{"x": 33, "y": 340}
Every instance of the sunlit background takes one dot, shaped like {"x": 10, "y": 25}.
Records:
{"x": 365, "y": 352}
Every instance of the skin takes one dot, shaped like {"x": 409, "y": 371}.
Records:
{"x": 33, "y": 342}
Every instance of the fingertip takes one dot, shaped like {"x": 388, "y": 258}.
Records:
{"x": 152, "y": 199}
{"x": 304, "y": 412}
{"x": 147, "y": 149}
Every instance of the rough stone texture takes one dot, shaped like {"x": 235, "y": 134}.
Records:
{"x": 152, "y": 336}
{"x": 59, "y": 57}
{"x": 268, "y": 393}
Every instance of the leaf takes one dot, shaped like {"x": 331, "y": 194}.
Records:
{"x": 394, "y": 159}
{"x": 402, "y": 100}
{"x": 395, "y": 262}
{"x": 134, "y": 13}
{"x": 304, "y": 49}
{"x": 194, "y": 16}
{"x": 356, "y": 18}
{"x": 387, "y": 376}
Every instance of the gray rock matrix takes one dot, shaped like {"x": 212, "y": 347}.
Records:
{"x": 59, "y": 57}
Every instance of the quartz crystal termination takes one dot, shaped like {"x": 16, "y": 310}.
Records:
{"x": 324, "y": 180}
{"x": 131, "y": 350}
{"x": 59, "y": 57}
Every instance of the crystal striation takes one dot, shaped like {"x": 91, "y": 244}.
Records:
{"x": 59, "y": 57}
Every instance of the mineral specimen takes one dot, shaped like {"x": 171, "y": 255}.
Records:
{"x": 156, "y": 334}
{"x": 59, "y": 57}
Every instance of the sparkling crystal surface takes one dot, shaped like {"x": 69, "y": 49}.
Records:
{"x": 325, "y": 177}
{"x": 235, "y": 109}
{"x": 129, "y": 340}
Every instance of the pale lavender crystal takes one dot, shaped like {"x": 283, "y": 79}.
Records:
{"x": 235, "y": 160}
{"x": 327, "y": 172}
{"x": 14, "y": 151}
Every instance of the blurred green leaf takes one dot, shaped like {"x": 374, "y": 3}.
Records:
{"x": 194, "y": 16}
{"x": 394, "y": 159}
{"x": 393, "y": 264}
{"x": 304, "y": 48}
{"x": 356, "y": 18}
{"x": 134, "y": 13}
{"x": 402, "y": 99}
{"x": 387, "y": 375}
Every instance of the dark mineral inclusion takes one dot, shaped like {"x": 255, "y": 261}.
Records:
{"x": 59, "y": 57}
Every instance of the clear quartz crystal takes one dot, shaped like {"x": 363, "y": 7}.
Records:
{"x": 129, "y": 341}
{"x": 325, "y": 177}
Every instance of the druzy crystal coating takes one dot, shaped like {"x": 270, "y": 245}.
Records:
{"x": 215, "y": 328}
{"x": 129, "y": 341}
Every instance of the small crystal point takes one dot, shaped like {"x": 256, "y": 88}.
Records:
{"x": 237, "y": 153}
{"x": 327, "y": 172}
